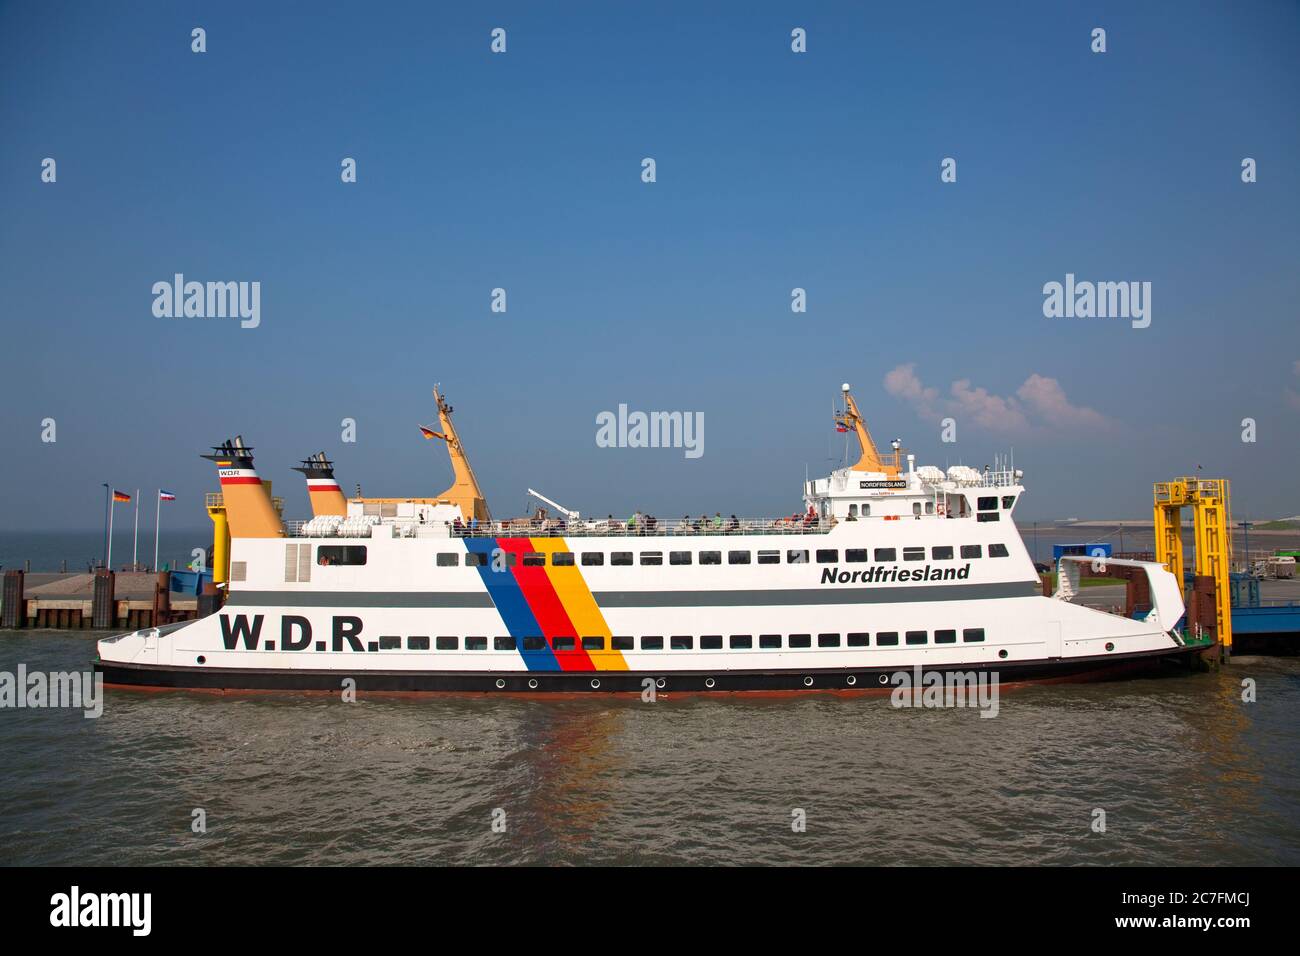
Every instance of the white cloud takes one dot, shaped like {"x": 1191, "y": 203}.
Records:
{"x": 1039, "y": 402}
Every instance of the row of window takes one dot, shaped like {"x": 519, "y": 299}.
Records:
{"x": 686, "y": 642}
{"x": 561, "y": 559}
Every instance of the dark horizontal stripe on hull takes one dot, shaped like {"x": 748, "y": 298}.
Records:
{"x": 576, "y": 682}
{"x": 351, "y": 599}
{"x": 832, "y": 594}
{"x": 791, "y": 597}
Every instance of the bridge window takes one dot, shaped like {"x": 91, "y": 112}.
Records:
{"x": 476, "y": 643}
{"x": 420, "y": 643}
{"x": 972, "y": 635}
{"x": 344, "y": 554}
{"x": 710, "y": 557}
{"x": 972, "y": 551}
{"x": 448, "y": 559}
{"x": 988, "y": 516}
{"x": 943, "y": 553}
{"x": 998, "y": 551}
{"x": 652, "y": 643}
{"x": 448, "y": 643}
{"x": 886, "y": 554}
{"x": 593, "y": 643}
{"x": 989, "y": 503}
{"x": 742, "y": 642}
{"x": 622, "y": 558}
{"x": 769, "y": 641}
{"x": 504, "y": 642}
{"x": 738, "y": 557}
{"x": 562, "y": 559}
{"x": 711, "y": 642}
{"x": 860, "y": 639}
{"x": 1008, "y": 501}
{"x": 828, "y": 640}
{"x": 652, "y": 558}
{"x": 679, "y": 557}
{"x": 886, "y": 638}
{"x": 592, "y": 558}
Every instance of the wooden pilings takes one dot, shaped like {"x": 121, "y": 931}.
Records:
{"x": 13, "y": 609}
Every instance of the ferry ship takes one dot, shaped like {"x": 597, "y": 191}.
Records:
{"x": 888, "y": 567}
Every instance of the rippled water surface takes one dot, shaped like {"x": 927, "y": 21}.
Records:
{"x": 1185, "y": 772}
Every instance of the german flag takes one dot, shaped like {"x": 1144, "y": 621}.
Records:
{"x": 120, "y": 495}
{"x": 430, "y": 433}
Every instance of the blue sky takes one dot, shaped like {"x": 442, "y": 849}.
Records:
{"x": 522, "y": 170}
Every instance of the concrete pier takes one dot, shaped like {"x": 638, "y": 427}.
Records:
{"x": 107, "y": 600}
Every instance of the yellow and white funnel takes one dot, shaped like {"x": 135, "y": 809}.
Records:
{"x": 246, "y": 498}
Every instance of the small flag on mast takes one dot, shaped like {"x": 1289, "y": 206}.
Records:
{"x": 430, "y": 433}
{"x": 120, "y": 495}
{"x": 166, "y": 496}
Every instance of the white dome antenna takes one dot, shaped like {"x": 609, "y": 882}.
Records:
{"x": 844, "y": 387}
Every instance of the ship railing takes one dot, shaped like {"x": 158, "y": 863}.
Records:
{"x": 647, "y": 528}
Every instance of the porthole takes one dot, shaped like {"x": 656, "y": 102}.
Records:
{"x": 884, "y": 678}
{"x": 532, "y": 683}
{"x": 595, "y": 683}
{"x": 1002, "y": 654}
{"x": 500, "y": 684}
{"x": 1110, "y": 646}
{"x": 850, "y": 680}
{"x": 661, "y": 683}
{"x": 709, "y": 682}
{"x": 204, "y": 660}
{"x": 807, "y": 682}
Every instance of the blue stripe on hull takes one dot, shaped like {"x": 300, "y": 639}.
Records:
{"x": 512, "y": 606}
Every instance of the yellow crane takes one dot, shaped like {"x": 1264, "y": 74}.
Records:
{"x": 1209, "y": 499}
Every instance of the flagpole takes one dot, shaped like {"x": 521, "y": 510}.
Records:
{"x": 108, "y": 494}
{"x": 157, "y": 516}
{"x": 135, "y": 540}
{"x": 111, "y": 504}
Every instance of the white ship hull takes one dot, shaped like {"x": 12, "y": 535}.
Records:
{"x": 403, "y": 621}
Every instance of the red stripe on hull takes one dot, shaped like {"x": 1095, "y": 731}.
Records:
{"x": 546, "y": 606}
